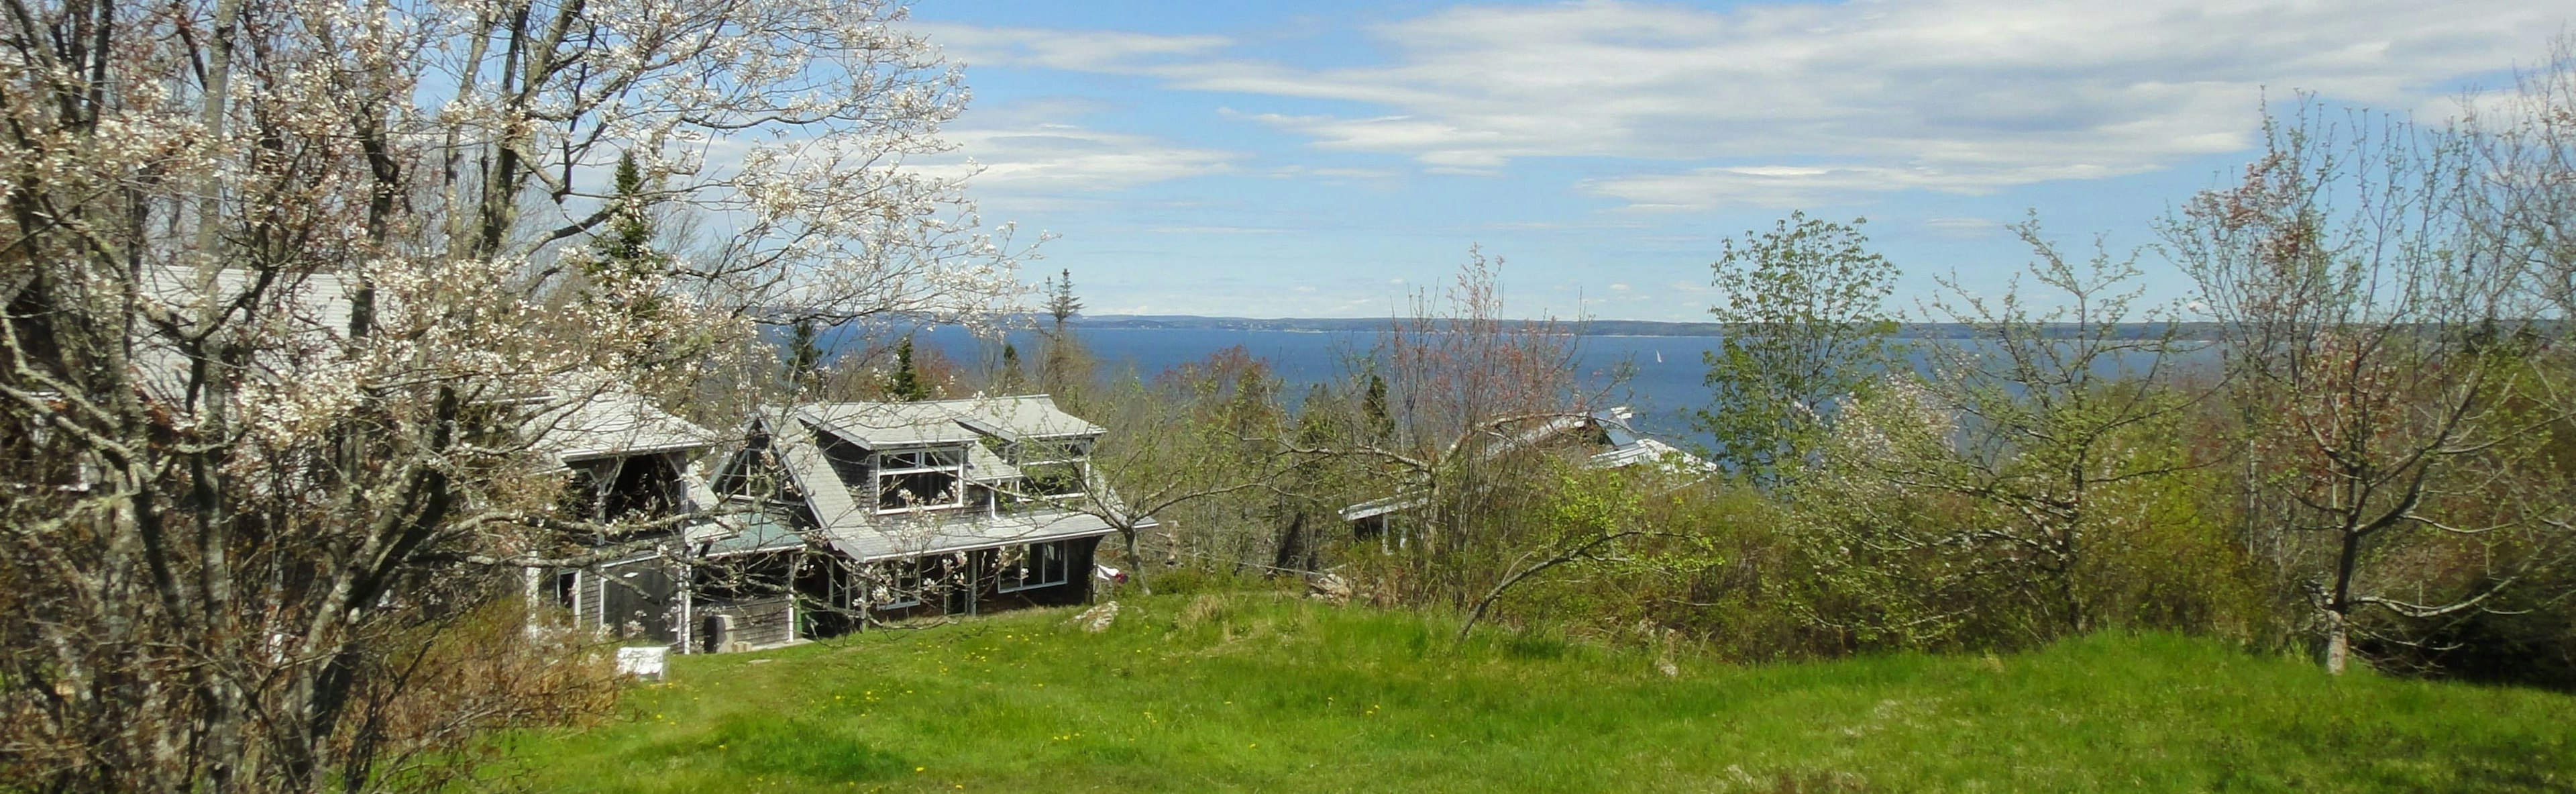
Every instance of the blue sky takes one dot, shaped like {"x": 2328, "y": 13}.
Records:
{"x": 1323, "y": 159}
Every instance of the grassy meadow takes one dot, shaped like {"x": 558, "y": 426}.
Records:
{"x": 1261, "y": 692}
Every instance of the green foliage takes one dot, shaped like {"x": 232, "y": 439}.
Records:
{"x": 905, "y": 384}
{"x": 626, "y": 243}
{"x": 1804, "y": 329}
{"x": 1061, "y": 303}
{"x": 804, "y": 354}
{"x": 1010, "y": 380}
{"x": 1221, "y": 691}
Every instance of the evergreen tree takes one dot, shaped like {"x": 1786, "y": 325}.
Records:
{"x": 1061, "y": 303}
{"x": 1009, "y": 380}
{"x": 804, "y": 355}
{"x": 905, "y": 385}
{"x": 1381, "y": 424}
{"x": 626, "y": 243}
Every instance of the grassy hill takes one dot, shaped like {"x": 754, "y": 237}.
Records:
{"x": 1259, "y": 692}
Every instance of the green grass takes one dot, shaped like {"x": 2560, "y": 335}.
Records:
{"x": 1263, "y": 693}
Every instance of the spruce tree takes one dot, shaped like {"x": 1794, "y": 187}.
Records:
{"x": 905, "y": 385}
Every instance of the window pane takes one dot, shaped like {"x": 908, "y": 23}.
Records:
{"x": 916, "y": 489}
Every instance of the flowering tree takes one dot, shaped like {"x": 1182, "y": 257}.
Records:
{"x": 277, "y": 372}
{"x": 2395, "y": 389}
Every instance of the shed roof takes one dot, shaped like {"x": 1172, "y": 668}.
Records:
{"x": 887, "y": 425}
{"x": 610, "y": 422}
{"x": 880, "y": 426}
{"x": 903, "y": 536}
{"x": 1019, "y": 417}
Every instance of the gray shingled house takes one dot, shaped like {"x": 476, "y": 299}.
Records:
{"x": 849, "y": 512}
{"x": 627, "y": 459}
{"x": 629, "y": 462}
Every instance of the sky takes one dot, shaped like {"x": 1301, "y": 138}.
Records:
{"x": 1329, "y": 158}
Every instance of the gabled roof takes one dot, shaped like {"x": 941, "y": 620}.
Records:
{"x": 824, "y": 493}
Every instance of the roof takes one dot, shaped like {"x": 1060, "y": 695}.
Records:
{"x": 1626, "y": 448}
{"x": 610, "y": 422}
{"x": 943, "y": 532}
{"x": 854, "y": 526}
{"x": 812, "y": 473}
{"x": 879, "y": 426}
{"x": 1649, "y": 451}
{"x": 1384, "y": 505}
{"x": 1018, "y": 417}
{"x": 754, "y": 531}
{"x": 303, "y": 309}
{"x": 985, "y": 467}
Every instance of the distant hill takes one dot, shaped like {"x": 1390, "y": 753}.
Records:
{"x": 1586, "y": 327}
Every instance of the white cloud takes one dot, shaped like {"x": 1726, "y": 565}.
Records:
{"x": 1961, "y": 227}
{"x": 1056, "y": 158}
{"x": 1085, "y": 50}
{"x": 1795, "y": 103}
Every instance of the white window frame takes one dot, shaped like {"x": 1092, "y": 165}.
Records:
{"x": 902, "y": 594}
{"x": 883, "y": 465}
{"x": 1061, "y": 451}
{"x": 1005, "y": 582}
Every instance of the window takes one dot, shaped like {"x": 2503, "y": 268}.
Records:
{"x": 1055, "y": 467}
{"x": 1033, "y": 565}
{"x": 898, "y": 584}
{"x": 920, "y": 478}
{"x": 566, "y": 590}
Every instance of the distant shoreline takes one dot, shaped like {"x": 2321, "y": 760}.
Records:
{"x": 1184, "y": 322}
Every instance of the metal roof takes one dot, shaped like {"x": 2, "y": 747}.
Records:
{"x": 1018, "y": 417}
{"x": 755, "y": 531}
{"x": 899, "y": 536}
{"x": 302, "y": 310}
{"x": 879, "y": 426}
{"x": 851, "y": 522}
{"x": 609, "y": 422}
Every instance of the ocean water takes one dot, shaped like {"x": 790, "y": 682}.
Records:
{"x": 1661, "y": 377}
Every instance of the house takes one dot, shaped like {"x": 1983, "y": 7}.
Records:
{"x": 846, "y": 513}
{"x": 629, "y": 467}
{"x": 1604, "y": 438}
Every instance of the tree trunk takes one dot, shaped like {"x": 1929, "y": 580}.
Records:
{"x": 2338, "y": 642}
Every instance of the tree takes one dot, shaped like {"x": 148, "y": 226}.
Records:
{"x": 274, "y": 321}
{"x": 2052, "y": 421}
{"x": 1061, "y": 303}
{"x": 1067, "y": 367}
{"x": 1804, "y": 330}
{"x": 804, "y": 355}
{"x": 2394, "y": 386}
{"x": 905, "y": 384}
{"x": 1191, "y": 436}
{"x": 1457, "y": 446}
{"x": 1009, "y": 379}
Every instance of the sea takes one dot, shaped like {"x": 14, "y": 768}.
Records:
{"x": 1662, "y": 378}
